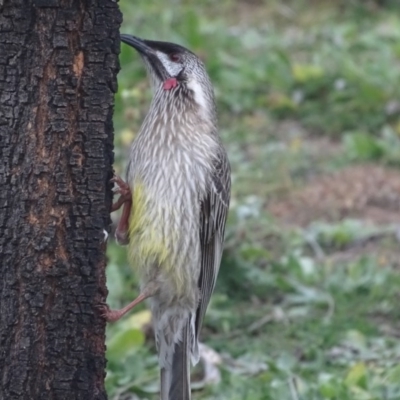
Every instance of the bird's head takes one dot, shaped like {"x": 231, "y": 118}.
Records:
{"x": 172, "y": 67}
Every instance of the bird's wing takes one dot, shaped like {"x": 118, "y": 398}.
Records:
{"x": 214, "y": 210}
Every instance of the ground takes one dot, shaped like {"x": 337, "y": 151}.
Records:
{"x": 366, "y": 192}
{"x": 306, "y": 300}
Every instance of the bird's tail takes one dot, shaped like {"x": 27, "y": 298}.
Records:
{"x": 175, "y": 378}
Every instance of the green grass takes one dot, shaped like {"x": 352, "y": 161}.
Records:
{"x": 292, "y": 82}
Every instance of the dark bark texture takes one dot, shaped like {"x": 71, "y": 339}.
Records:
{"x": 58, "y": 66}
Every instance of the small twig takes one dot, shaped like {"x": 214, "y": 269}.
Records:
{"x": 255, "y": 326}
{"x": 315, "y": 246}
{"x": 293, "y": 388}
{"x": 276, "y": 315}
{"x": 374, "y": 236}
{"x": 331, "y": 308}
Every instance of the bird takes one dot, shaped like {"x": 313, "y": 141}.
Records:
{"x": 175, "y": 202}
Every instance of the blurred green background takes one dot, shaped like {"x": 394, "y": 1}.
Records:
{"x": 307, "y": 300}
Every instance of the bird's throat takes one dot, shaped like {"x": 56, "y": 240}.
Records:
{"x": 170, "y": 83}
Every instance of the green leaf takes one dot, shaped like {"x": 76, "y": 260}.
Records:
{"x": 361, "y": 146}
{"x": 123, "y": 342}
{"x": 357, "y": 375}
{"x": 303, "y": 73}
{"x": 394, "y": 375}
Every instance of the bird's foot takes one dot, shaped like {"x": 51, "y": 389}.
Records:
{"x": 108, "y": 314}
{"x": 121, "y": 235}
{"x": 123, "y": 189}
{"x": 114, "y": 315}
{"x": 125, "y": 200}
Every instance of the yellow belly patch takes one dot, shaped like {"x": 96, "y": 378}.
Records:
{"x": 150, "y": 244}
{"x": 146, "y": 241}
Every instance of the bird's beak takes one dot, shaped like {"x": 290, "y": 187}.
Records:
{"x": 138, "y": 44}
{"x": 148, "y": 52}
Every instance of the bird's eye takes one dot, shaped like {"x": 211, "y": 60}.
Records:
{"x": 174, "y": 57}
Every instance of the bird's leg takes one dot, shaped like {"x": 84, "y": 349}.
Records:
{"x": 125, "y": 200}
{"x": 118, "y": 204}
{"x": 115, "y": 315}
{"x": 123, "y": 190}
{"x": 121, "y": 233}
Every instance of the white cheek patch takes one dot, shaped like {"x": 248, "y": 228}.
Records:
{"x": 172, "y": 68}
{"x": 198, "y": 92}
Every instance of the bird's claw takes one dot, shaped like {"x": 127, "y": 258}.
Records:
{"x": 121, "y": 237}
{"x": 121, "y": 187}
{"x": 102, "y": 308}
{"x": 108, "y": 314}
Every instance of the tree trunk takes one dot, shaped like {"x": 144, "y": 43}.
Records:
{"x": 58, "y": 66}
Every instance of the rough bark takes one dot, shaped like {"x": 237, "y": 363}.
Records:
{"x": 58, "y": 66}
